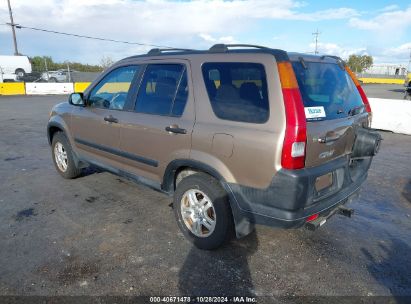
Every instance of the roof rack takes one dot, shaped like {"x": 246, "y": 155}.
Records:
{"x": 158, "y": 51}
{"x": 221, "y": 48}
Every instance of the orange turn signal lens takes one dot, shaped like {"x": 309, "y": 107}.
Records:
{"x": 353, "y": 77}
{"x": 287, "y": 76}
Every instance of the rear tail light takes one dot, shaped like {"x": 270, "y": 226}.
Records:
{"x": 293, "y": 154}
{"x": 360, "y": 90}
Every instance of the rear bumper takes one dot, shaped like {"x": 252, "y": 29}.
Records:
{"x": 291, "y": 197}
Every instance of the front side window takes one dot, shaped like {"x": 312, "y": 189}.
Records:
{"x": 237, "y": 91}
{"x": 163, "y": 90}
{"x": 112, "y": 91}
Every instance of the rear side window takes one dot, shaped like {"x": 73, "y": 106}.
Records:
{"x": 163, "y": 90}
{"x": 237, "y": 91}
{"x": 327, "y": 87}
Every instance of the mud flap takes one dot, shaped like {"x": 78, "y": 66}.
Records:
{"x": 242, "y": 224}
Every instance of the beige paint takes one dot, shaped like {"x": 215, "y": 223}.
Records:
{"x": 244, "y": 153}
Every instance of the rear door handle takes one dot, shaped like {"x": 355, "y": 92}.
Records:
{"x": 111, "y": 119}
{"x": 176, "y": 130}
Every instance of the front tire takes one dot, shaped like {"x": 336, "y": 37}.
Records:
{"x": 202, "y": 211}
{"x": 63, "y": 157}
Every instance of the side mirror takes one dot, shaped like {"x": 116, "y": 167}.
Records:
{"x": 77, "y": 99}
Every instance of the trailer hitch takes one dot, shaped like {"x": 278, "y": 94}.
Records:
{"x": 321, "y": 220}
{"x": 348, "y": 212}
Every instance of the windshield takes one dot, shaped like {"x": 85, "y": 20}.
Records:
{"x": 327, "y": 90}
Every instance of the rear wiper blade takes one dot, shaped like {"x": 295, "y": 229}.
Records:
{"x": 340, "y": 62}
{"x": 331, "y": 56}
{"x": 355, "y": 110}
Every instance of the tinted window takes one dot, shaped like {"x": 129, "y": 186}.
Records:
{"x": 329, "y": 86}
{"x": 237, "y": 91}
{"x": 112, "y": 91}
{"x": 163, "y": 90}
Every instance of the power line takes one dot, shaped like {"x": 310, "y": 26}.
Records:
{"x": 19, "y": 26}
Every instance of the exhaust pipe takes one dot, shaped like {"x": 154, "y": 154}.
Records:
{"x": 367, "y": 143}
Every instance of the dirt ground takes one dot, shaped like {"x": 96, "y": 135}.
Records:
{"x": 104, "y": 235}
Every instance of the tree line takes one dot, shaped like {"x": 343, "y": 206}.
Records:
{"x": 43, "y": 63}
{"x": 359, "y": 63}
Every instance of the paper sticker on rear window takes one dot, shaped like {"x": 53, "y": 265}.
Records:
{"x": 314, "y": 112}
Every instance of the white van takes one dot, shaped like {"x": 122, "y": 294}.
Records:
{"x": 19, "y": 65}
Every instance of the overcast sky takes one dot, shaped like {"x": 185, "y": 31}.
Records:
{"x": 379, "y": 28}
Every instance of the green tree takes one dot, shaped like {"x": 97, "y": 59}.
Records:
{"x": 39, "y": 64}
{"x": 359, "y": 63}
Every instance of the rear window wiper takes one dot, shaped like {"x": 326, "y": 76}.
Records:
{"x": 355, "y": 110}
{"x": 340, "y": 62}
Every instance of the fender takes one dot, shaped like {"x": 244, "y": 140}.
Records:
{"x": 243, "y": 225}
{"x": 58, "y": 122}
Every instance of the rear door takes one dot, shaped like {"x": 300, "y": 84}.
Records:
{"x": 333, "y": 108}
{"x": 159, "y": 130}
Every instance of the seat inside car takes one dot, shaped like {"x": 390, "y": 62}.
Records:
{"x": 227, "y": 93}
{"x": 158, "y": 100}
{"x": 249, "y": 91}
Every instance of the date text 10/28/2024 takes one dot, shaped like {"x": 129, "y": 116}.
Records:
{"x": 204, "y": 299}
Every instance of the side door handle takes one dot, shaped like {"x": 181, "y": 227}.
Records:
{"x": 110, "y": 118}
{"x": 175, "y": 129}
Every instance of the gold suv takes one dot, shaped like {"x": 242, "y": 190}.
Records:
{"x": 238, "y": 134}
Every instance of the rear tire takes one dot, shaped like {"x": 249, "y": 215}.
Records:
{"x": 63, "y": 157}
{"x": 207, "y": 222}
{"x": 20, "y": 73}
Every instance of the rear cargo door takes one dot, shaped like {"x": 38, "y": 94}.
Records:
{"x": 333, "y": 108}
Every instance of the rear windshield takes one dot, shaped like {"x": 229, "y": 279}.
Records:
{"x": 327, "y": 90}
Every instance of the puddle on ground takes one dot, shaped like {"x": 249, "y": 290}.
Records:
{"x": 24, "y": 213}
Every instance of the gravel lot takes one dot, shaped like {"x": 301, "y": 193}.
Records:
{"x": 104, "y": 235}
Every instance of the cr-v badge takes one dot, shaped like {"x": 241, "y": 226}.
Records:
{"x": 326, "y": 154}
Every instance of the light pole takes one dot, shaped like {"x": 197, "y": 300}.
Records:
{"x": 317, "y": 33}
{"x": 16, "y": 51}
{"x": 409, "y": 62}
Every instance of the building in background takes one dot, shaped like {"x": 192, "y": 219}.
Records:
{"x": 392, "y": 70}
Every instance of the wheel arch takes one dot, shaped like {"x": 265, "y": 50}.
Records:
{"x": 53, "y": 129}
{"x": 56, "y": 124}
{"x": 242, "y": 224}
{"x": 177, "y": 166}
